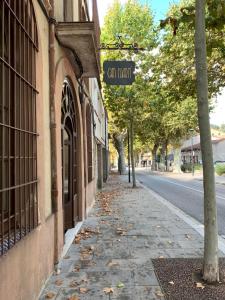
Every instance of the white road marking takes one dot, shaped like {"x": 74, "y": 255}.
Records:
{"x": 187, "y": 187}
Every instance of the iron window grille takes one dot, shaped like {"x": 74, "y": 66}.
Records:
{"x": 18, "y": 132}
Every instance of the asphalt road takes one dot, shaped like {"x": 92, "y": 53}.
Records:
{"x": 186, "y": 194}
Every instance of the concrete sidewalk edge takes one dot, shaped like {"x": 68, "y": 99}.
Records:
{"x": 196, "y": 225}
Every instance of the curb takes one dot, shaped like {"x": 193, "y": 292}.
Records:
{"x": 196, "y": 225}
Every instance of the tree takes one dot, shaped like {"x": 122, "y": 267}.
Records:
{"x": 210, "y": 268}
{"x": 135, "y": 23}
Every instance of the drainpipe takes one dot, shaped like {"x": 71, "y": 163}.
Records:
{"x": 54, "y": 178}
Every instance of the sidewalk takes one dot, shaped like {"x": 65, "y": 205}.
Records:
{"x": 111, "y": 258}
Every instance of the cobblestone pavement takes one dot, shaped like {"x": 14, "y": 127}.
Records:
{"x": 123, "y": 235}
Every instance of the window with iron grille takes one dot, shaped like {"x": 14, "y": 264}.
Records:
{"x": 89, "y": 142}
{"x": 18, "y": 132}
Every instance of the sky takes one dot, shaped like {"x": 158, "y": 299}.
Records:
{"x": 160, "y": 8}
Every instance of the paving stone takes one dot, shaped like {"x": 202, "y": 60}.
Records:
{"x": 150, "y": 231}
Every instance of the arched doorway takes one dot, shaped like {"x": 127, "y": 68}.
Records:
{"x": 69, "y": 157}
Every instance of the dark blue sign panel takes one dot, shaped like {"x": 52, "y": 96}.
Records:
{"x": 118, "y": 72}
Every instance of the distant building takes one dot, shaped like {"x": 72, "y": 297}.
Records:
{"x": 218, "y": 145}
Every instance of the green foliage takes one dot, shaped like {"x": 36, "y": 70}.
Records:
{"x": 198, "y": 167}
{"x": 186, "y": 168}
{"x": 162, "y": 101}
{"x": 220, "y": 169}
{"x": 134, "y": 22}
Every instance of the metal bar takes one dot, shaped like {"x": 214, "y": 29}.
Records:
{"x": 28, "y": 128}
{"x": 15, "y": 123}
{"x": 21, "y": 25}
{"x": 9, "y": 122}
{"x": 3, "y": 118}
{"x": 32, "y": 137}
{"x": 20, "y": 125}
{"x": 19, "y": 186}
{"x": 24, "y": 121}
{"x": 18, "y": 190}
{"x": 19, "y": 75}
{"x": 19, "y": 129}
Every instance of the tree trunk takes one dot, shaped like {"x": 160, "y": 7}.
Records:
{"x": 119, "y": 145}
{"x": 132, "y": 152}
{"x": 163, "y": 155}
{"x": 154, "y": 150}
{"x": 210, "y": 268}
{"x": 166, "y": 158}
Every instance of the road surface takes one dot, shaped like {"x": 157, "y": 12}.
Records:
{"x": 184, "y": 193}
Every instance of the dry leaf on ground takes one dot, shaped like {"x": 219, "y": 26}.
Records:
{"x": 84, "y": 234}
{"x": 108, "y": 290}
{"x": 76, "y": 269}
{"x": 83, "y": 290}
{"x": 49, "y": 295}
{"x": 112, "y": 264}
{"x": 73, "y": 298}
{"x": 59, "y": 282}
{"x": 57, "y": 272}
{"x": 121, "y": 231}
{"x": 74, "y": 284}
{"x": 159, "y": 294}
{"x": 200, "y": 285}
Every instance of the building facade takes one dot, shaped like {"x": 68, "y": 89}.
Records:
{"x": 49, "y": 155}
{"x": 191, "y": 149}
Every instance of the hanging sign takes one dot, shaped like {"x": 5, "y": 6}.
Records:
{"x": 119, "y": 72}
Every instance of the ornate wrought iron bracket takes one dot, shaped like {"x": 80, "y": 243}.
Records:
{"x": 121, "y": 46}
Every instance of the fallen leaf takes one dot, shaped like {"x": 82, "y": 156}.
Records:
{"x": 74, "y": 284}
{"x": 161, "y": 257}
{"x": 57, "y": 272}
{"x": 171, "y": 282}
{"x": 112, "y": 264}
{"x": 49, "y": 295}
{"x": 200, "y": 285}
{"x": 77, "y": 240}
{"x": 59, "y": 282}
{"x": 83, "y": 290}
{"x": 76, "y": 269}
{"x": 120, "y": 285}
{"x": 121, "y": 231}
{"x": 159, "y": 294}
{"x": 73, "y": 298}
{"x": 108, "y": 290}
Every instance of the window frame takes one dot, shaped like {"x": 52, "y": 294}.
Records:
{"x": 18, "y": 124}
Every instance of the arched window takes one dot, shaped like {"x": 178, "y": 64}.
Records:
{"x": 18, "y": 132}
{"x": 89, "y": 142}
{"x": 69, "y": 157}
